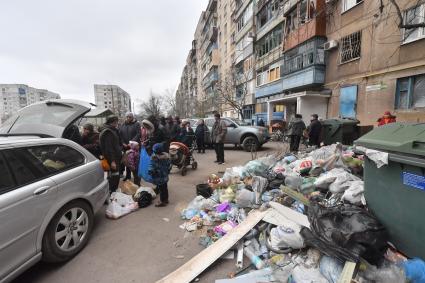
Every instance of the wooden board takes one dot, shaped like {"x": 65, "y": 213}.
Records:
{"x": 347, "y": 272}
{"x": 295, "y": 195}
{"x": 290, "y": 214}
{"x": 195, "y": 266}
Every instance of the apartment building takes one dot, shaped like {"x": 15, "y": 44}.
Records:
{"x": 244, "y": 57}
{"x": 114, "y": 98}
{"x": 290, "y": 63}
{"x": 16, "y": 96}
{"x": 373, "y": 65}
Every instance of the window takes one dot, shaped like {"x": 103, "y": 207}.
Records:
{"x": 274, "y": 74}
{"x": 269, "y": 42}
{"x": 23, "y": 171}
{"x": 279, "y": 108}
{"x": 410, "y": 92}
{"x": 348, "y": 101}
{"x": 348, "y": 4}
{"x": 261, "y": 107}
{"x": 262, "y": 78}
{"x": 351, "y": 47}
{"x": 415, "y": 15}
{"x": 6, "y": 178}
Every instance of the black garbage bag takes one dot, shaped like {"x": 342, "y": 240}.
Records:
{"x": 346, "y": 232}
{"x": 145, "y": 199}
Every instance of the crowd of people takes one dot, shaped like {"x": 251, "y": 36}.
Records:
{"x": 120, "y": 146}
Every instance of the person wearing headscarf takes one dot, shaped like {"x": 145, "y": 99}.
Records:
{"x": 90, "y": 140}
{"x": 387, "y": 118}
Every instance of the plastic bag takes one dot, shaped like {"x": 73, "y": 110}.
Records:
{"x": 310, "y": 275}
{"x": 323, "y": 153}
{"x": 144, "y": 189}
{"x": 231, "y": 176}
{"x": 145, "y": 199}
{"x": 331, "y": 268}
{"x": 414, "y": 270}
{"x": 120, "y": 205}
{"x": 259, "y": 184}
{"x": 227, "y": 195}
{"x": 225, "y": 227}
{"x": 354, "y": 194}
{"x": 328, "y": 178}
{"x": 388, "y": 273}
{"x": 293, "y": 181}
{"x": 245, "y": 198}
{"x": 144, "y": 163}
{"x": 287, "y": 236}
{"x": 346, "y": 232}
{"x": 342, "y": 182}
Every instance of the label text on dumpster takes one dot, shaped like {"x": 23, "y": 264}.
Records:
{"x": 412, "y": 180}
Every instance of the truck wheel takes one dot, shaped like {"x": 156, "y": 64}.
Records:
{"x": 68, "y": 232}
{"x": 250, "y": 143}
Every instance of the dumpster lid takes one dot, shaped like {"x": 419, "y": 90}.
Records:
{"x": 396, "y": 137}
{"x": 340, "y": 121}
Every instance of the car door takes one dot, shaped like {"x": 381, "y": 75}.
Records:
{"x": 26, "y": 194}
{"x": 232, "y": 135}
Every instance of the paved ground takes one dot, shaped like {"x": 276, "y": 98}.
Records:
{"x": 142, "y": 247}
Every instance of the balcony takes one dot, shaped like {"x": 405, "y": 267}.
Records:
{"x": 210, "y": 78}
{"x": 272, "y": 56}
{"x": 212, "y": 5}
{"x": 269, "y": 89}
{"x": 270, "y": 25}
{"x": 306, "y": 31}
{"x": 212, "y": 34}
{"x": 241, "y": 55}
{"x": 305, "y": 78}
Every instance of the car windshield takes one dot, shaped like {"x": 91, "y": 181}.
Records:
{"x": 240, "y": 122}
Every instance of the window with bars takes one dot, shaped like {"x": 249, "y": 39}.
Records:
{"x": 351, "y": 47}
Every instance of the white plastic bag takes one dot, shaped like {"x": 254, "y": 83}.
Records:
{"x": 120, "y": 205}
{"x": 328, "y": 178}
{"x": 310, "y": 275}
{"x": 282, "y": 237}
{"x": 342, "y": 182}
{"x": 354, "y": 194}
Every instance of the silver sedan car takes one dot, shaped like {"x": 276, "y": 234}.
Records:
{"x": 50, "y": 189}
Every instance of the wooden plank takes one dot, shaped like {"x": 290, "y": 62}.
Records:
{"x": 290, "y": 214}
{"x": 347, "y": 273}
{"x": 195, "y": 266}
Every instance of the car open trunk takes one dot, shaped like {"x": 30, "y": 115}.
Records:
{"x": 49, "y": 118}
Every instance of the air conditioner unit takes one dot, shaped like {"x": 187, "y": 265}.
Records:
{"x": 331, "y": 44}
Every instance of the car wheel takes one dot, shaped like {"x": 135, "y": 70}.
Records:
{"x": 68, "y": 232}
{"x": 250, "y": 143}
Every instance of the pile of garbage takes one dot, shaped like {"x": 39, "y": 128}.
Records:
{"x": 128, "y": 199}
{"x": 317, "y": 227}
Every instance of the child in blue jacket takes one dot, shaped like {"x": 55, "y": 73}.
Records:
{"x": 159, "y": 170}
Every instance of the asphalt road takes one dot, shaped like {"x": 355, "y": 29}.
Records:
{"x": 143, "y": 246}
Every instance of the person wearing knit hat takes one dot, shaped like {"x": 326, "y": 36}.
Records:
{"x": 387, "y": 118}
{"x": 129, "y": 131}
{"x": 159, "y": 170}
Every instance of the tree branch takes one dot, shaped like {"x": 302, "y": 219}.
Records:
{"x": 400, "y": 17}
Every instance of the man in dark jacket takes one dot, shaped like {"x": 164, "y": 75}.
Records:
{"x": 296, "y": 131}
{"x": 314, "y": 131}
{"x": 129, "y": 131}
{"x": 110, "y": 146}
{"x": 201, "y": 132}
{"x": 172, "y": 129}
{"x": 90, "y": 140}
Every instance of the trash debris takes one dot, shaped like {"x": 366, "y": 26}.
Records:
{"x": 119, "y": 205}
{"x": 380, "y": 158}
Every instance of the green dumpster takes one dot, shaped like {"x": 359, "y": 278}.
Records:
{"x": 342, "y": 130}
{"x": 395, "y": 193}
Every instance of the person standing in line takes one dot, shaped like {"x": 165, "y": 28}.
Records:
{"x": 131, "y": 160}
{"x": 90, "y": 140}
{"x": 296, "y": 130}
{"x": 129, "y": 131}
{"x": 314, "y": 130}
{"x": 218, "y": 136}
{"x": 261, "y": 123}
{"x": 111, "y": 150}
{"x": 201, "y": 132}
{"x": 159, "y": 170}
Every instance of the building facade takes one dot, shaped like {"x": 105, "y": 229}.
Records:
{"x": 374, "y": 66}
{"x": 16, "y": 96}
{"x": 114, "y": 98}
{"x": 290, "y": 63}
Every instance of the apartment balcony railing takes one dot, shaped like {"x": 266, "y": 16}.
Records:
{"x": 269, "y": 89}
{"x": 304, "y": 32}
{"x": 271, "y": 57}
{"x": 210, "y": 78}
{"x": 212, "y": 5}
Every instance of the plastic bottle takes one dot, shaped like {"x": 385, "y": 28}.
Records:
{"x": 258, "y": 262}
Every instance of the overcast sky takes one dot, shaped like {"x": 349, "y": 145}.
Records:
{"x": 67, "y": 46}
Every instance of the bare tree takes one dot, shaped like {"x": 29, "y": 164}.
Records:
{"x": 402, "y": 22}
{"x": 233, "y": 90}
{"x": 152, "y": 106}
{"x": 169, "y": 101}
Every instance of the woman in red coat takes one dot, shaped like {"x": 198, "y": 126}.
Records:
{"x": 386, "y": 119}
